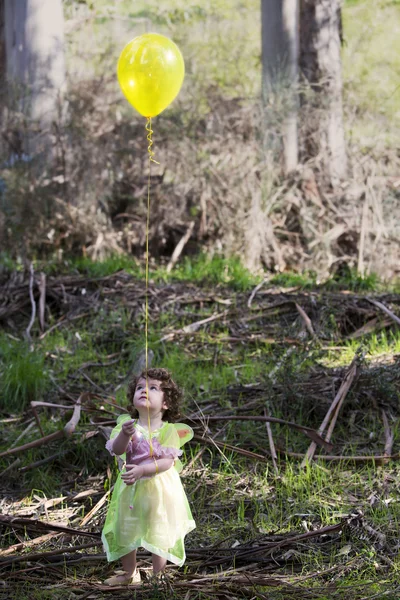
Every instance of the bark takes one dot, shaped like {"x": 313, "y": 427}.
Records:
{"x": 34, "y": 62}
{"x": 320, "y": 66}
{"x": 280, "y": 47}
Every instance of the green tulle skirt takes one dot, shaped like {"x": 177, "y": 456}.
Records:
{"x": 153, "y": 514}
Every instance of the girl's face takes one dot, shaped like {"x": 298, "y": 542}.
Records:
{"x": 149, "y": 398}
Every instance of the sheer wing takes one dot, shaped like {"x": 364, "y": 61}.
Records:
{"x": 185, "y": 434}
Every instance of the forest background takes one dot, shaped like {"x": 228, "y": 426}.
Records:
{"x": 217, "y": 178}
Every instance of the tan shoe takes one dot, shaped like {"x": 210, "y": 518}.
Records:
{"x": 121, "y": 578}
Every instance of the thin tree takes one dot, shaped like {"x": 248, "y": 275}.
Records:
{"x": 321, "y": 68}
{"x": 32, "y": 60}
{"x": 280, "y": 47}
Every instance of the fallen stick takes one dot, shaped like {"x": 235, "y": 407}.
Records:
{"x": 269, "y": 546}
{"x": 311, "y": 433}
{"x": 11, "y": 521}
{"x": 42, "y": 300}
{"x": 33, "y": 303}
{"x": 66, "y": 432}
{"x": 44, "y": 461}
{"x": 340, "y": 396}
{"x": 339, "y": 406}
{"x": 385, "y": 310}
{"x": 389, "y": 437}
{"x": 306, "y": 320}
{"x": 43, "y": 555}
{"x": 274, "y": 456}
{"x": 95, "y": 509}
{"x": 35, "y": 444}
{"x": 224, "y": 446}
{"x": 332, "y": 457}
{"x": 180, "y": 246}
{"x": 15, "y": 463}
{"x": 32, "y": 542}
{"x": 15, "y": 442}
{"x": 193, "y": 327}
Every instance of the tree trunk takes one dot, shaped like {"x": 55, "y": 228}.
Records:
{"x": 320, "y": 65}
{"x": 280, "y": 47}
{"x": 34, "y": 60}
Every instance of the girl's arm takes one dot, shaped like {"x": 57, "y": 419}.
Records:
{"x": 159, "y": 465}
{"x": 120, "y": 443}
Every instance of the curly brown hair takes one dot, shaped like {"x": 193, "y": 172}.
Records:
{"x": 172, "y": 393}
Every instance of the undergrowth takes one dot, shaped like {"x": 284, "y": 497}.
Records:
{"x": 233, "y": 367}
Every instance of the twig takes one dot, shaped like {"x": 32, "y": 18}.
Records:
{"x": 12, "y": 521}
{"x": 32, "y": 542}
{"x": 224, "y": 446}
{"x": 340, "y": 396}
{"x": 35, "y": 444}
{"x": 44, "y": 461}
{"x": 374, "y": 324}
{"x": 306, "y": 319}
{"x": 254, "y": 292}
{"x": 66, "y": 432}
{"x": 23, "y": 434}
{"x": 274, "y": 456}
{"x": 42, "y": 300}
{"x": 180, "y": 246}
{"x": 364, "y": 224}
{"x": 43, "y": 555}
{"x": 385, "y": 309}
{"x": 311, "y": 433}
{"x": 95, "y": 509}
{"x": 389, "y": 436}
{"x": 357, "y": 459}
{"x": 192, "y": 327}
{"x": 269, "y": 546}
{"x": 15, "y": 463}
{"x": 33, "y": 303}
{"x": 35, "y": 414}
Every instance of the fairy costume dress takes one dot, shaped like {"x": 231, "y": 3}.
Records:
{"x": 153, "y": 512}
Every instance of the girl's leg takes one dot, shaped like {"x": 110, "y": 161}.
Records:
{"x": 158, "y": 563}
{"x": 130, "y": 575}
{"x": 129, "y": 563}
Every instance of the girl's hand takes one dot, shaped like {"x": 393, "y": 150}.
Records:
{"x": 132, "y": 474}
{"x": 128, "y": 427}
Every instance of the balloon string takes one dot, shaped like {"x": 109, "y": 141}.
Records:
{"x": 151, "y": 159}
{"x": 150, "y": 140}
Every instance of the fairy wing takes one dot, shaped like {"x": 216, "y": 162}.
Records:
{"x": 184, "y": 432}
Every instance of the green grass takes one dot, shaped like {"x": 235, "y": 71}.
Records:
{"x": 23, "y": 374}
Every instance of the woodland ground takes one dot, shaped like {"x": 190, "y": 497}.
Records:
{"x": 241, "y": 347}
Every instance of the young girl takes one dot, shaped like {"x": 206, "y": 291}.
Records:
{"x": 148, "y": 507}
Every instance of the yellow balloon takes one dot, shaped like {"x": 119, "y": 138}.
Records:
{"x": 150, "y": 72}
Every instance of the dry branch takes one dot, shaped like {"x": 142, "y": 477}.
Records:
{"x": 385, "y": 309}
{"x": 337, "y": 402}
{"x": 30, "y": 557}
{"x": 311, "y": 433}
{"x": 211, "y": 442}
{"x": 180, "y": 246}
{"x": 12, "y": 521}
{"x": 66, "y": 432}
{"x": 306, "y": 319}
{"x": 33, "y": 303}
{"x": 389, "y": 436}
